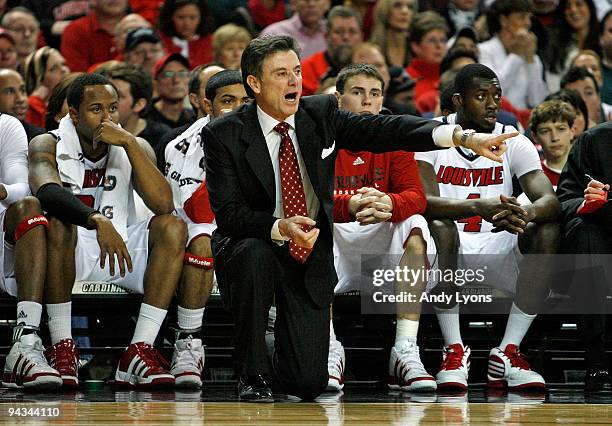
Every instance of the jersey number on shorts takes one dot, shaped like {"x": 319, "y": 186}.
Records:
{"x": 474, "y": 223}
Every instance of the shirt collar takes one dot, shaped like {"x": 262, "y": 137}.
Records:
{"x": 268, "y": 123}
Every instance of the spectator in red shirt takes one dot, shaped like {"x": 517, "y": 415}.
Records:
{"x": 378, "y": 201}
{"x": 43, "y": 70}
{"x": 148, "y": 9}
{"x": 266, "y": 12}
{"x": 186, "y": 28}
{"x": 551, "y": 126}
{"x": 25, "y": 29}
{"x": 89, "y": 40}
{"x": 343, "y": 32}
{"x": 8, "y": 53}
{"x": 428, "y": 45}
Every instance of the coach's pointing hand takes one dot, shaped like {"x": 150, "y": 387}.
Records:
{"x": 485, "y": 144}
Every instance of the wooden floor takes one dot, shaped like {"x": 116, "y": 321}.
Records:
{"x": 231, "y": 413}
{"x": 216, "y": 405}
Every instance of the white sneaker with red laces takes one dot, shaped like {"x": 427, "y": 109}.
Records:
{"x": 142, "y": 365}
{"x": 26, "y": 367}
{"x": 335, "y": 366}
{"x": 64, "y": 357}
{"x": 510, "y": 368}
{"x": 188, "y": 363}
{"x": 406, "y": 371}
{"x": 455, "y": 367}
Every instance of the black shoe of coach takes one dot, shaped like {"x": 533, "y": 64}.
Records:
{"x": 254, "y": 389}
{"x": 598, "y": 381}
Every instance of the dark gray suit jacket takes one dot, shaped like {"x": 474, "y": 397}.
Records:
{"x": 240, "y": 177}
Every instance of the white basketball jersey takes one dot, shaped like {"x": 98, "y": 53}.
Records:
{"x": 463, "y": 175}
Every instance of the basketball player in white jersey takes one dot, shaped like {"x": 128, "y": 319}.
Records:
{"x": 83, "y": 176}
{"x": 22, "y": 261}
{"x": 472, "y": 212}
{"x": 185, "y": 172}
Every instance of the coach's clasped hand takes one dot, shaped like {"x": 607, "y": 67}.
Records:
{"x": 291, "y": 228}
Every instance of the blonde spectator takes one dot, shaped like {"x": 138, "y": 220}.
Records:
{"x": 391, "y": 29}
{"x": 228, "y": 43}
{"x": 42, "y": 71}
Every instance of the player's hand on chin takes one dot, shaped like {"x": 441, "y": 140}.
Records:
{"x": 488, "y": 145}
{"x": 292, "y": 228}
{"x": 112, "y": 134}
{"x": 111, "y": 245}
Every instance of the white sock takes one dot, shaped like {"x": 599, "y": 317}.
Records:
{"x": 332, "y": 333}
{"x": 60, "y": 321}
{"x": 28, "y": 313}
{"x": 406, "y": 330}
{"x": 190, "y": 319}
{"x": 449, "y": 325}
{"x": 516, "y": 328}
{"x": 149, "y": 321}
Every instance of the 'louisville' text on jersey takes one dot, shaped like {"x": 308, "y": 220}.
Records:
{"x": 470, "y": 177}
{"x": 359, "y": 181}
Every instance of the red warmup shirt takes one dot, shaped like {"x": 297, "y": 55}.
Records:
{"x": 551, "y": 174}
{"x": 426, "y": 75}
{"x": 394, "y": 173}
{"x": 85, "y": 43}
{"x": 200, "y": 50}
{"x": 313, "y": 69}
{"x": 262, "y": 16}
{"x": 148, "y": 9}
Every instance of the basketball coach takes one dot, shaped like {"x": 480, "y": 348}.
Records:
{"x": 269, "y": 174}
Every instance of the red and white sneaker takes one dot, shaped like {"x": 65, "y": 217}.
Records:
{"x": 510, "y": 368}
{"x": 26, "y": 366}
{"x": 142, "y": 365}
{"x": 64, "y": 357}
{"x": 406, "y": 371}
{"x": 335, "y": 366}
{"x": 188, "y": 363}
{"x": 455, "y": 367}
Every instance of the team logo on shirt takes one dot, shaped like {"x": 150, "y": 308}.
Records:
{"x": 182, "y": 146}
{"x": 358, "y": 161}
{"x": 460, "y": 176}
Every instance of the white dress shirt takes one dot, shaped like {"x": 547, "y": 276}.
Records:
{"x": 522, "y": 82}
{"x": 442, "y": 136}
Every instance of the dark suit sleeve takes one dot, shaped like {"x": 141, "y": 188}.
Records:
{"x": 382, "y": 133}
{"x": 233, "y": 215}
{"x": 573, "y": 181}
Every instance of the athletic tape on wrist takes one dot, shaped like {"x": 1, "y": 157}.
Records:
{"x": 27, "y": 224}
{"x": 198, "y": 261}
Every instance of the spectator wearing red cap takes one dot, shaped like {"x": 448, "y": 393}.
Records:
{"x": 144, "y": 47}
{"x": 89, "y": 40}
{"x": 171, "y": 78}
{"x": 8, "y": 53}
{"x": 186, "y": 28}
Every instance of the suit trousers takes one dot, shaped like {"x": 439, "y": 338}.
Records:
{"x": 259, "y": 272}
{"x": 585, "y": 235}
